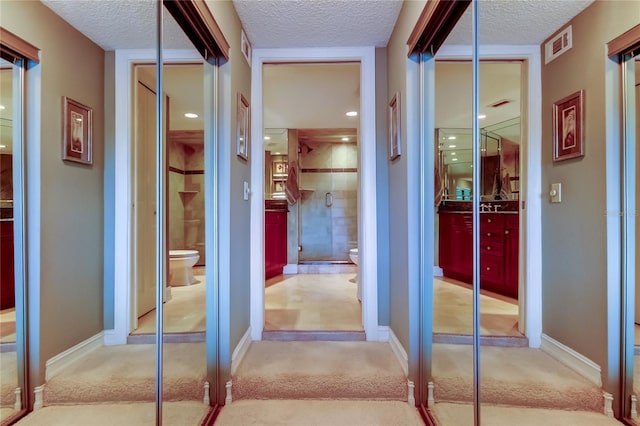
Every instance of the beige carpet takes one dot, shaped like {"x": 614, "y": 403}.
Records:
{"x": 173, "y": 414}
{"x": 319, "y": 370}
{"x": 312, "y": 302}
{"x": 312, "y": 412}
{"x": 127, "y": 373}
{"x": 8, "y": 325}
{"x": 491, "y": 415}
{"x": 512, "y": 376}
{"x": 9, "y": 378}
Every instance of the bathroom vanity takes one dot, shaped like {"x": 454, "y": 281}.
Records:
{"x": 499, "y": 225}
{"x": 275, "y": 237}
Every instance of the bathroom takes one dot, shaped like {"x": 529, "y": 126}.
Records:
{"x": 184, "y": 298}
{"x": 311, "y": 181}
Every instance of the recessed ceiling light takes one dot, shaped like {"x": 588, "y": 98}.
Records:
{"x": 454, "y": 159}
{"x": 452, "y": 146}
{"x": 453, "y": 153}
{"x": 191, "y": 115}
{"x": 267, "y": 138}
{"x": 345, "y": 139}
{"x": 481, "y": 116}
{"x": 451, "y": 138}
{"x": 352, "y": 113}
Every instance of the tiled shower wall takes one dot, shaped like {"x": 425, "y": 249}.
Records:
{"x": 186, "y": 198}
{"x": 328, "y": 171}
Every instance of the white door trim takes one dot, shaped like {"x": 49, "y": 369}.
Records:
{"x": 367, "y": 223}
{"x": 530, "y": 287}
{"x": 123, "y": 243}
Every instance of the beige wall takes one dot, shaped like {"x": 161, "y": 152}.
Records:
{"x": 398, "y": 198}
{"x": 574, "y": 231}
{"x": 71, "y": 195}
{"x": 235, "y": 76}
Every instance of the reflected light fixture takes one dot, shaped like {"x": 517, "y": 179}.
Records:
{"x": 454, "y": 159}
{"x": 451, "y": 138}
{"x": 191, "y": 115}
{"x": 1, "y": 106}
{"x": 345, "y": 139}
{"x": 481, "y": 116}
{"x": 452, "y": 146}
{"x": 352, "y": 113}
{"x": 2, "y": 146}
{"x": 267, "y": 138}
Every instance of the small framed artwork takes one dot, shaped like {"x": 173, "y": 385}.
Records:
{"x": 394, "y": 127}
{"x": 245, "y": 46}
{"x": 278, "y": 186}
{"x": 280, "y": 168}
{"x": 568, "y": 119}
{"x": 76, "y": 131}
{"x": 242, "y": 146}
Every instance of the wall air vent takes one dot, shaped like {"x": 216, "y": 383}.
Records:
{"x": 557, "y": 45}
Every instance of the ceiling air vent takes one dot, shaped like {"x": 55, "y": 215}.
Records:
{"x": 557, "y": 45}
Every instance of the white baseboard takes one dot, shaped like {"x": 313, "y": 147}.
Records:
{"x": 399, "y": 351}
{"x": 240, "y": 351}
{"x": 110, "y": 338}
{"x": 383, "y": 333}
{"x": 572, "y": 359}
{"x": 290, "y": 268}
{"x": 54, "y": 365}
{"x": 437, "y": 271}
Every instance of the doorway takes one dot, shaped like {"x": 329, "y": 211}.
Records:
{"x": 184, "y": 283}
{"x": 365, "y": 238}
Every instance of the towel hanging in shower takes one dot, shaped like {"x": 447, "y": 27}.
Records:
{"x": 291, "y": 185}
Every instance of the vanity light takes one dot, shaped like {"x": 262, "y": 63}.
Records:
{"x": 451, "y": 138}
{"x": 267, "y": 138}
{"x": 452, "y": 146}
{"x": 453, "y": 153}
{"x": 191, "y": 115}
{"x": 345, "y": 139}
{"x": 454, "y": 159}
{"x": 352, "y": 113}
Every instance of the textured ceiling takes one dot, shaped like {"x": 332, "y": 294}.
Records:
{"x": 120, "y": 24}
{"x": 516, "y": 21}
{"x": 318, "y": 23}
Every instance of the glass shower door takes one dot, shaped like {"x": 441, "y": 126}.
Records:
{"x": 328, "y": 206}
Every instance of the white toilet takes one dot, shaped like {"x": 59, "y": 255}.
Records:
{"x": 181, "y": 267}
{"x": 353, "y": 255}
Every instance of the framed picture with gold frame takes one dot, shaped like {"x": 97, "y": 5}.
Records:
{"x": 568, "y": 122}
{"x": 77, "y": 122}
{"x": 243, "y": 139}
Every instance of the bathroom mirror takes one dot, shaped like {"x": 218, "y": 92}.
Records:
{"x": 500, "y": 159}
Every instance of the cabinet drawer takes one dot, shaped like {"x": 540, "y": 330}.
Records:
{"x": 492, "y": 269}
{"x": 491, "y": 248}
{"x": 491, "y": 222}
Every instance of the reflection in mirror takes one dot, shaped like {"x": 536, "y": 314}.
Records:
{"x": 11, "y": 382}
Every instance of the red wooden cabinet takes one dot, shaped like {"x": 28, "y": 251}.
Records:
{"x": 275, "y": 240}
{"x": 498, "y": 250}
{"x": 7, "y": 280}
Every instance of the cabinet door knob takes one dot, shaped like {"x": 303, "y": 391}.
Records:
{"x": 488, "y": 234}
{"x": 506, "y": 231}
{"x": 488, "y": 247}
{"x": 488, "y": 268}
{"x": 488, "y": 220}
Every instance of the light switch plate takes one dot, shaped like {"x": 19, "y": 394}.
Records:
{"x": 555, "y": 194}
{"x": 247, "y": 191}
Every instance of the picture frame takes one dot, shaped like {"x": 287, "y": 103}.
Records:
{"x": 395, "y": 136}
{"x": 245, "y": 47}
{"x": 568, "y": 127}
{"x": 280, "y": 168}
{"x": 243, "y": 138}
{"x": 77, "y": 131}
